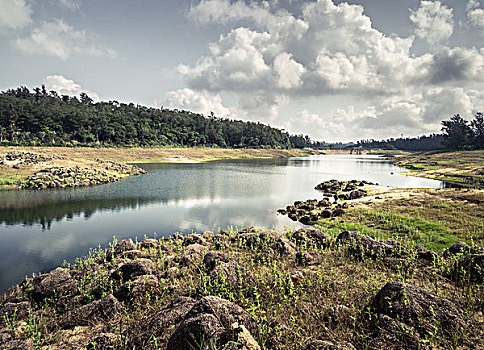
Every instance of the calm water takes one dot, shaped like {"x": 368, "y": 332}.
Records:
{"x": 40, "y": 229}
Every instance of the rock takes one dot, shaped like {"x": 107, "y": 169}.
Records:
{"x": 307, "y": 258}
{"x": 325, "y": 214}
{"x": 338, "y": 212}
{"x": 420, "y": 309}
{"x": 132, "y": 254}
{"x": 212, "y": 259}
{"x": 14, "y": 294}
{"x": 305, "y": 219}
{"x": 244, "y": 339}
{"x": 149, "y": 243}
{"x": 329, "y": 345}
{"x": 58, "y": 282}
{"x": 277, "y": 242}
{"x": 425, "y": 255}
{"x": 458, "y": 248}
{"x": 227, "y": 273}
{"x": 103, "y": 309}
{"x": 195, "y": 239}
{"x": 361, "y": 245}
{"x": 135, "y": 268}
{"x": 137, "y": 287}
{"x": 105, "y": 341}
{"x": 192, "y": 253}
{"x": 163, "y": 322}
{"x": 473, "y": 265}
{"x": 310, "y": 237}
{"x": 210, "y": 319}
{"x": 393, "y": 334}
{"x": 123, "y": 246}
{"x": 14, "y": 311}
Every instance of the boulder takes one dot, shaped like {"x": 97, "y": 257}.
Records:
{"x": 149, "y": 243}
{"x": 310, "y": 237}
{"x": 123, "y": 246}
{"x": 86, "y": 315}
{"x": 195, "y": 239}
{"x": 263, "y": 240}
{"x": 211, "y": 320}
{"x": 338, "y": 212}
{"x": 56, "y": 282}
{"x": 135, "y": 268}
{"x": 361, "y": 245}
{"x": 471, "y": 267}
{"x": 162, "y": 324}
{"x": 191, "y": 254}
{"x": 227, "y": 273}
{"x": 212, "y": 259}
{"x": 307, "y": 258}
{"x": 138, "y": 287}
{"x": 13, "y": 311}
{"x": 419, "y": 309}
{"x": 458, "y": 248}
{"x": 389, "y": 333}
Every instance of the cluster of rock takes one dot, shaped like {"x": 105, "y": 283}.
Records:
{"x": 62, "y": 177}
{"x": 121, "y": 168}
{"x": 24, "y": 158}
{"x": 344, "y": 190}
{"x": 399, "y": 315}
{"x": 312, "y": 210}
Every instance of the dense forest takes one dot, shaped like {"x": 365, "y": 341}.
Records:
{"x": 421, "y": 143}
{"x": 43, "y": 117}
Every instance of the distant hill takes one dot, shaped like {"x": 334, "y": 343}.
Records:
{"x": 45, "y": 118}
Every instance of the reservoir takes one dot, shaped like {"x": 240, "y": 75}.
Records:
{"x": 41, "y": 229}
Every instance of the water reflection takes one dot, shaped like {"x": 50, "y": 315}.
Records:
{"x": 41, "y": 229}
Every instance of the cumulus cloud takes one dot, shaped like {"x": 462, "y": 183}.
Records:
{"x": 475, "y": 14}
{"x": 433, "y": 21}
{"x": 61, "y": 40}
{"x": 272, "y": 56}
{"x": 198, "y": 102}
{"x": 14, "y": 14}
{"x": 65, "y": 86}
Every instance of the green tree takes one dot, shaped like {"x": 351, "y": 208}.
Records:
{"x": 457, "y": 132}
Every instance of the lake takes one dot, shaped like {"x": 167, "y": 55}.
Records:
{"x": 41, "y": 229}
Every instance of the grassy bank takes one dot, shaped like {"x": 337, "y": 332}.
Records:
{"x": 465, "y": 168}
{"x": 296, "y": 290}
{"x": 433, "y": 218}
{"x": 96, "y": 158}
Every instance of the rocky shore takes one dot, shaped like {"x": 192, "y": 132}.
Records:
{"x": 312, "y": 210}
{"x": 253, "y": 289}
{"x": 49, "y": 173}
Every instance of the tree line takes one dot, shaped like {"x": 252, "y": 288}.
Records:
{"x": 42, "y": 117}
{"x": 457, "y": 133}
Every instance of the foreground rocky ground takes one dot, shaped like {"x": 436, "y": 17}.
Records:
{"x": 253, "y": 289}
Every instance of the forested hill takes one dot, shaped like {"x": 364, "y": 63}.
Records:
{"x": 45, "y": 118}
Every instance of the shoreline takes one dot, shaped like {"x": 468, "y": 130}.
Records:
{"x": 92, "y": 166}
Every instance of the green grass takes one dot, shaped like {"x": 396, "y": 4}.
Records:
{"x": 436, "y": 220}
{"x": 383, "y": 225}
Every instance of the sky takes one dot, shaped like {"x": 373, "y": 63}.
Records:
{"x": 334, "y": 70}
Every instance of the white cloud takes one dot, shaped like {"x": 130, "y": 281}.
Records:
{"x": 433, "y": 21}
{"x": 72, "y": 5}
{"x": 271, "y": 57}
{"x": 198, "y": 102}
{"x": 61, "y": 40}
{"x": 14, "y": 14}
{"x": 475, "y": 14}
{"x": 65, "y": 86}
